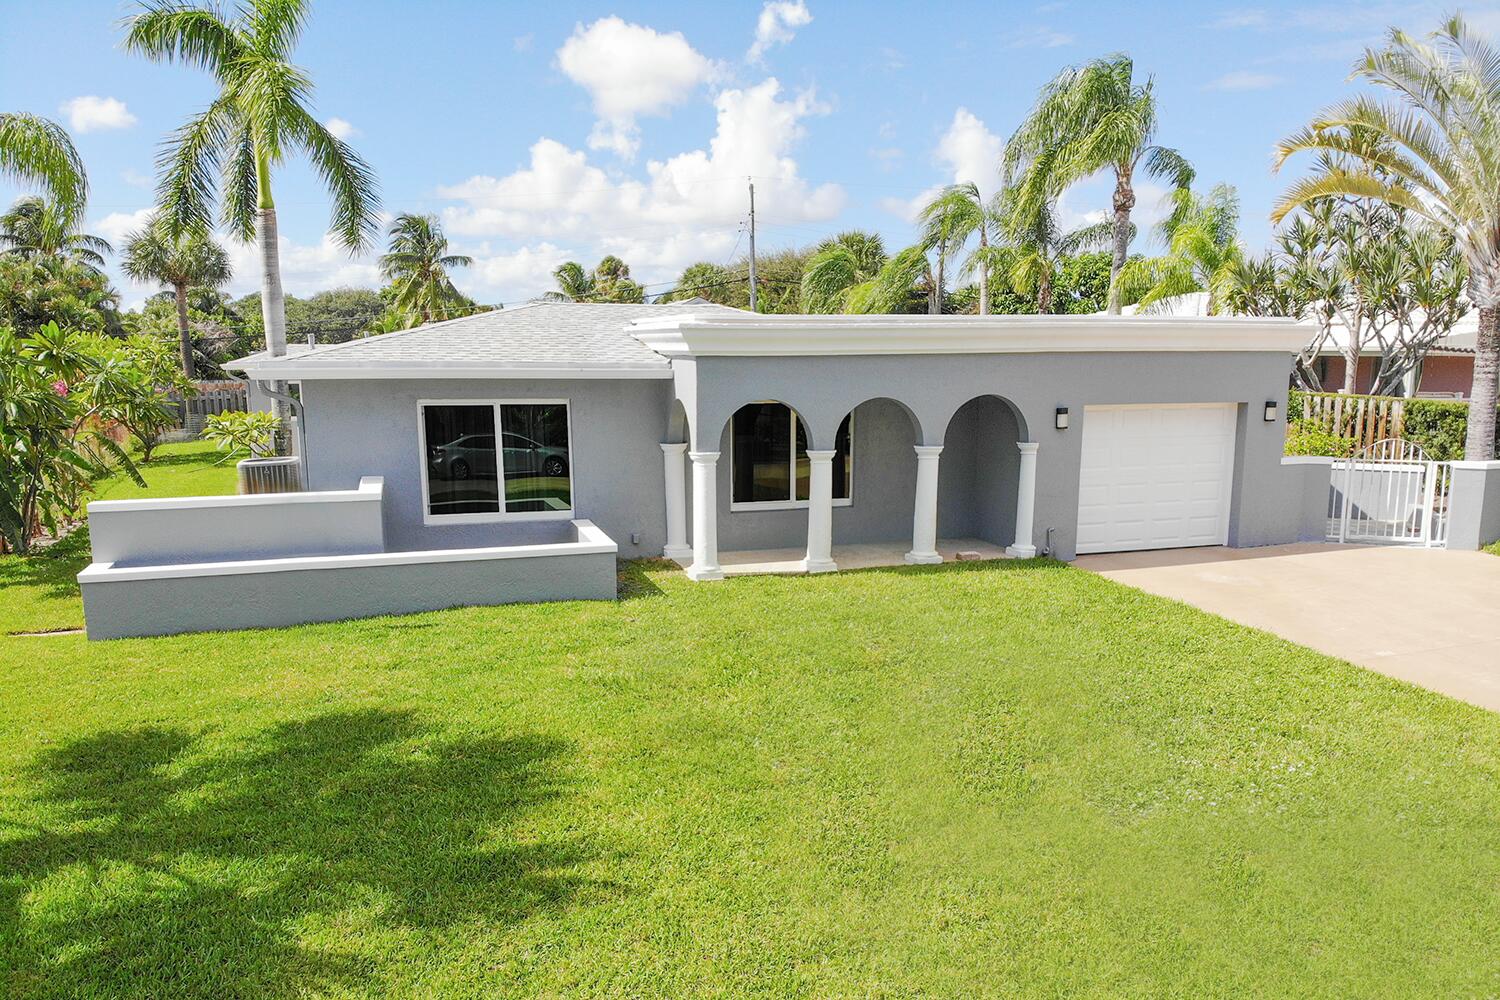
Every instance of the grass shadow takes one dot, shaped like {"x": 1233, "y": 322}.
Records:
{"x": 53, "y": 569}
{"x": 633, "y": 577}
{"x": 178, "y": 867}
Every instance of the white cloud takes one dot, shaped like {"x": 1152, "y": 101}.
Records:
{"x": 777, "y": 25}
{"x": 117, "y": 225}
{"x": 96, "y": 114}
{"x": 1040, "y": 37}
{"x": 522, "y": 43}
{"x": 513, "y": 276}
{"x": 305, "y": 268}
{"x": 135, "y": 178}
{"x": 685, "y": 208}
{"x": 971, "y": 151}
{"x": 341, "y": 128}
{"x": 1248, "y": 17}
{"x": 630, "y": 70}
{"x": 1243, "y": 80}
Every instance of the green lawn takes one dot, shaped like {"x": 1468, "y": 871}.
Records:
{"x": 974, "y": 779}
{"x": 40, "y": 594}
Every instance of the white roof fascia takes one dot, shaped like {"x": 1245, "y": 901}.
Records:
{"x": 728, "y": 336}
{"x": 296, "y": 371}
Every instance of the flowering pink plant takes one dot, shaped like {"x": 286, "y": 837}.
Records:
{"x": 60, "y": 387}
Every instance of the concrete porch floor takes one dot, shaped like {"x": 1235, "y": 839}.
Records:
{"x": 1428, "y": 616}
{"x": 752, "y": 562}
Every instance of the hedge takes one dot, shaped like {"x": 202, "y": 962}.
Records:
{"x": 1437, "y": 426}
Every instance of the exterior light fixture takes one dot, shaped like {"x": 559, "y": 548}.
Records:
{"x": 1061, "y": 420}
{"x": 1270, "y": 416}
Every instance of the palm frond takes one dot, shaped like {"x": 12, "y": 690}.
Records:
{"x": 37, "y": 150}
{"x": 173, "y": 31}
{"x": 355, "y": 218}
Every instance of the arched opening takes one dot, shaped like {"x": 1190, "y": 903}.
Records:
{"x": 980, "y": 471}
{"x": 875, "y": 468}
{"x": 677, "y": 423}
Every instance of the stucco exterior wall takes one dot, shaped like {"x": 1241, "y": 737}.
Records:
{"x": 1474, "y": 505}
{"x": 933, "y": 388}
{"x": 362, "y": 428}
{"x": 265, "y": 598}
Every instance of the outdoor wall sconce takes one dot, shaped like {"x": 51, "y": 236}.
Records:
{"x": 1061, "y": 420}
{"x": 1270, "y": 416}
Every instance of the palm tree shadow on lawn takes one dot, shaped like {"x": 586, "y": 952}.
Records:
{"x": 186, "y": 870}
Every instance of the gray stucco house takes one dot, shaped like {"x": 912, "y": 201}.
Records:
{"x": 513, "y": 454}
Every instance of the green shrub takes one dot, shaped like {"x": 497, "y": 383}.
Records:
{"x": 1437, "y": 426}
{"x": 253, "y": 433}
{"x": 1303, "y": 437}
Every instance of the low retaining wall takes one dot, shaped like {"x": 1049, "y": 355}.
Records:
{"x": 121, "y": 601}
{"x": 1474, "y": 505}
{"x": 267, "y": 525}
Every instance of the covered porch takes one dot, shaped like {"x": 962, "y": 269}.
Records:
{"x": 769, "y": 500}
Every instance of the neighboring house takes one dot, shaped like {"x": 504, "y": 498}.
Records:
{"x": 511, "y": 454}
{"x": 1446, "y": 373}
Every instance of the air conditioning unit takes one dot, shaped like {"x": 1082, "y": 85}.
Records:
{"x": 270, "y": 475}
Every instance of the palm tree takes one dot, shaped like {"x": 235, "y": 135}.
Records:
{"x": 574, "y": 283}
{"x": 260, "y": 116}
{"x": 1091, "y": 118}
{"x": 840, "y": 271}
{"x": 955, "y": 214}
{"x": 181, "y": 261}
{"x": 37, "y": 228}
{"x": 1441, "y": 162}
{"x": 417, "y": 266}
{"x": 1034, "y": 247}
{"x": 1203, "y": 251}
{"x": 35, "y": 150}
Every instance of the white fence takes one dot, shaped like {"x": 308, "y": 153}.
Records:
{"x": 1389, "y": 493}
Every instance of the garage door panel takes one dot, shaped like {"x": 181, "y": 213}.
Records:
{"x": 1155, "y": 476}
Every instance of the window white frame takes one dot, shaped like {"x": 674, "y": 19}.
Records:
{"x": 747, "y": 506}
{"x": 429, "y": 518}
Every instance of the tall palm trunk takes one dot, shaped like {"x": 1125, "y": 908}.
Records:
{"x": 272, "y": 300}
{"x": 1479, "y": 446}
{"x": 1123, "y": 203}
{"x": 1044, "y": 294}
{"x": 1351, "y": 370}
{"x": 935, "y": 299}
{"x": 984, "y": 274}
{"x": 184, "y": 338}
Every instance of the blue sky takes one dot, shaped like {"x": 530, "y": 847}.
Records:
{"x": 542, "y": 133}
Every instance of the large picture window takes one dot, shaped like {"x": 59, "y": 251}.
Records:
{"x": 768, "y": 459}
{"x": 486, "y": 461}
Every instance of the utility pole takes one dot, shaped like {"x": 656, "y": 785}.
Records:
{"x": 752, "y": 246}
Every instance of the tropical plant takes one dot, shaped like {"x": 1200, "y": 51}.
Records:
{"x": 841, "y": 272}
{"x": 1034, "y": 248}
{"x": 260, "y": 116}
{"x": 179, "y": 261}
{"x": 52, "y": 446}
{"x": 36, "y": 228}
{"x": 417, "y": 266}
{"x": 609, "y": 281}
{"x": 1203, "y": 251}
{"x": 1440, "y": 161}
{"x": 36, "y": 150}
{"x": 1091, "y": 118}
{"x": 237, "y": 431}
{"x": 134, "y": 384}
{"x": 956, "y": 214}
{"x": 35, "y": 292}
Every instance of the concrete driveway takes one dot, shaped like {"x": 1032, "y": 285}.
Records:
{"x": 1428, "y": 616}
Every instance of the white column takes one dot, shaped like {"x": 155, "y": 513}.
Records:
{"x": 1025, "y": 502}
{"x": 677, "y": 547}
{"x": 705, "y": 517}
{"x": 820, "y": 513}
{"x": 924, "y": 513}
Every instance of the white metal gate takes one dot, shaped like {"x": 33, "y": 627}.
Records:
{"x": 1389, "y": 492}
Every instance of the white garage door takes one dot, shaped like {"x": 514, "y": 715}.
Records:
{"x": 1155, "y": 477}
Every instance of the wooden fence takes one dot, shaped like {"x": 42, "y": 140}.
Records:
{"x": 1366, "y": 419}
{"x": 210, "y": 397}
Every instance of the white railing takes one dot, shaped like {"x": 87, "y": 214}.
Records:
{"x": 1391, "y": 493}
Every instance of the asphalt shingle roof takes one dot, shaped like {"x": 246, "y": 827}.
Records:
{"x": 573, "y": 334}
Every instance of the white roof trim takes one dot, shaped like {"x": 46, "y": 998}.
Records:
{"x": 730, "y": 336}
{"x": 295, "y": 370}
